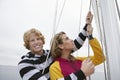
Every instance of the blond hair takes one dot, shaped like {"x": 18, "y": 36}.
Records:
{"x": 55, "y": 50}
{"x": 26, "y": 36}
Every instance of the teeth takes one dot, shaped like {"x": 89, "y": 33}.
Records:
{"x": 37, "y": 46}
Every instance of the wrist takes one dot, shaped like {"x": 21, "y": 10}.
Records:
{"x": 90, "y": 37}
{"x": 80, "y": 72}
{"x": 85, "y": 27}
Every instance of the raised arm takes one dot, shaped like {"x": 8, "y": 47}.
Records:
{"x": 98, "y": 57}
{"x": 79, "y": 41}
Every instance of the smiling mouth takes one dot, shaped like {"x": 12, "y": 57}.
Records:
{"x": 36, "y": 47}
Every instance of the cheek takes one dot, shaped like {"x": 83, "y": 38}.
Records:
{"x": 69, "y": 44}
{"x": 41, "y": 42}
{"x": 30, "y": 45}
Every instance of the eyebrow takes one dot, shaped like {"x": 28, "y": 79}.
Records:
{"x": 66, "y": 38}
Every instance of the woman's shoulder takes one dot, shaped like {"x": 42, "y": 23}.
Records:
{"x": 80, "y": 58}
{"x": 55, "y": 64}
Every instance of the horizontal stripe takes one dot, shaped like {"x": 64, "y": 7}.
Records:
{"x": 23, "y": 65}
{"x": 80, "y": 41}
{"x": 84, "y": 33}
{"x": 26, "y": 70}
{"x": 80, "y": 75}
{"x": 77, "y": 44}
{"x": 81, "y": 36}
{"x": 43, "y": 78}
{"x": 38, "y": 61}
{"x": 28, "y": 75}
{"x": 36, "y": 76}
{"x": 67, "y": 78}
{"x": 73, "y": 77}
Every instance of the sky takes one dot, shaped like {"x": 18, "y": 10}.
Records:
{"x": 17, "y": 16}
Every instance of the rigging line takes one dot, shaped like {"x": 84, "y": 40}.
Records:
{"x": 88, "y": 36}
{"x": 90, "y": 5}
{"x": 106, "y": 51}
{"x": 54, "y": 25}
{"x": 89, "y": 77}
{"x": 55, "y": 18}
{"x": 80, "y": 15}
{"x": 118, "y": 10}
{"x": 107, "y": 59}
{"x": 101, "y": 40}
{"x": 88, "y": 33}
{"x": 107, "y": 62}
{"x": 79, "y": 22}
{"x": 57, "y": 24}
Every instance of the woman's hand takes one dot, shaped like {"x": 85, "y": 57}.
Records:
{"x": 87, "y": 67}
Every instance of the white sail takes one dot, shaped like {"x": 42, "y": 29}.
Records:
{"x": 108, "y": 27}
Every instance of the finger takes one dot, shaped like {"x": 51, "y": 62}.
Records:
{"x": 90, "y": 63}
{"x": 84, "y": 61}
{"x": 92, "y": 68}
{"x": 88, "y": 60}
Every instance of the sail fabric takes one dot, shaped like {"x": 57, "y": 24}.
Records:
{"x": 109, "y": 31}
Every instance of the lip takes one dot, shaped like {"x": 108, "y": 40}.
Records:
{"x": 37, "y": 47}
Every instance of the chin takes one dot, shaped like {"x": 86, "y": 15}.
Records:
{"x": 37, "y": 50}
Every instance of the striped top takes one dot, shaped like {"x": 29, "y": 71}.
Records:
{"x": 31, "y": 65}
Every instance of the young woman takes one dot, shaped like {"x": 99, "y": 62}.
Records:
{"x": 65, "y": 63}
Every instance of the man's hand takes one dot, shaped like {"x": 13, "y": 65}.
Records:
{"x": 89, "y": 18}
{"x": 87, "y": 67}
{"x": 89, "y": 29}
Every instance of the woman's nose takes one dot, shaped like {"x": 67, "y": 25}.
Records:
{"x": 71, "y": 40}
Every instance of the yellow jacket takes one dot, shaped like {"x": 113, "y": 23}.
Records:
{"x": 98, "y": 58}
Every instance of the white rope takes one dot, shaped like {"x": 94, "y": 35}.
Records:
{"x": 88, "y": 37}
{"x": 59, "y": 17}
{"x": 118, "y": 10}
{"x": 106, "y": 71}
{"x": 55, "y": 26}
{"x": 80, "y": 15}
{"x": 88, "y": 33}
{"x": 77, "y": 52}
{"x": 55, "y": 18}
{"x": 107, "y": 77}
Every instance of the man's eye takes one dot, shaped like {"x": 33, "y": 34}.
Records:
{"x": 38, "y": 38}
{"x": 32, "y": 40}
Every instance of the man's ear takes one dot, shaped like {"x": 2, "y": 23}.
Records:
{"x": 60, "y": 46}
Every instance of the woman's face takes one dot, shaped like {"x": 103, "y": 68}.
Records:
{"x": 68, "y": 44}
{"x": 35, "y": 43}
